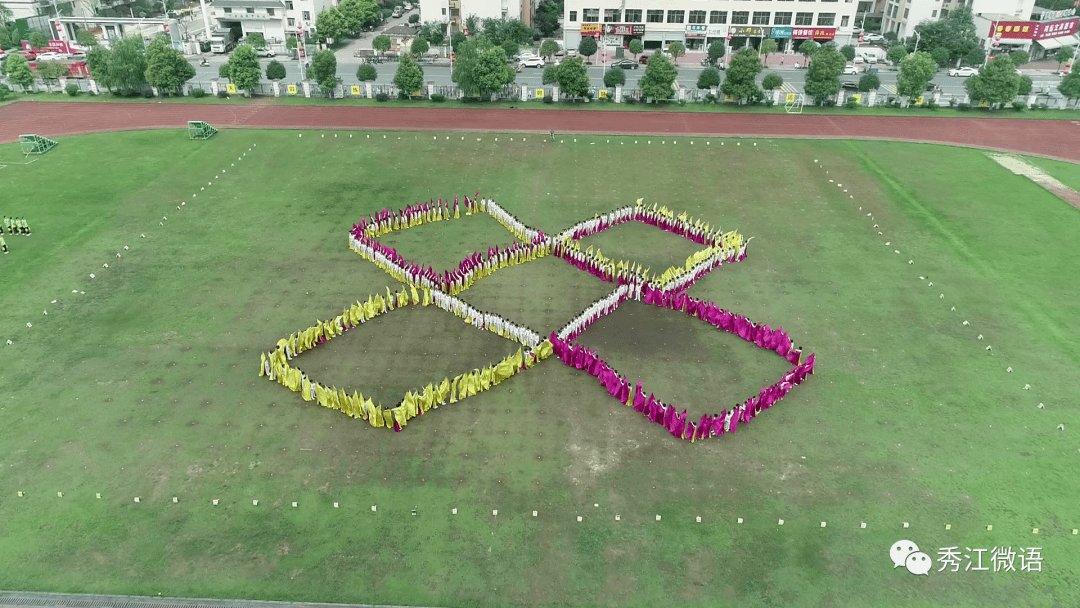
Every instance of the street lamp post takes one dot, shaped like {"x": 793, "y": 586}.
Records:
{"x": 918, "y": 38}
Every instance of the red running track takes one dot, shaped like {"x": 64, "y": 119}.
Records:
{"x": 1051, "y": 138}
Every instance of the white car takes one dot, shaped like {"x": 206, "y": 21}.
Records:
{"x": 49, "y": 56}
{"x": 850, "y": 70}
{"x": 535, "y": 62}
{"x": 871, "y": 59}
{"x": 265, "y": 52}
{"x": 963, "y": 72}
{"x": 858, "y": 59}
{"x": 77, "y": 56}
{"x": 873, "y": 37}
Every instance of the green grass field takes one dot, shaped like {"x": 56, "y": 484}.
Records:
{"x": 134, "y": 387}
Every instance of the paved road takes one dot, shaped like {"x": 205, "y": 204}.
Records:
{"x": 688, "y": 75}
{"x": 20, "y": 599}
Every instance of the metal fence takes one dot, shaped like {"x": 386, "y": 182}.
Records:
{"x": 513, "y": 92}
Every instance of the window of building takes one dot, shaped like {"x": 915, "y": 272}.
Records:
{"x": 944, "y": 13}
{"x": 697, "y": 17}
{"x": 573, "y": 16}
{"x": 250, "y": 11}
{"x": 654, "y": 16}
{"x": 288, "y": 5}
{"x": 933, "y": 13}
{"x": 844, "y": 21}
{"x": 306, "y": 16}
{"x": 804, "y": 18}
{"x": 782, "y": 19}
{"x": 864, "y": 7}
{"x": 444, "y": 10}
{"x": 828, "y": 0}
{"x": 292, "y": 22}
{"x": 740, "y": 17}
{"x": 590, "y": 15}
{"x": 906, "y": 11}
{"x": 228, "y": 11}
{"x": 826, "y": 18}
{"x": 761, "y": 18}
{"x": 676, "y": 16}
{"x": 633, "y": 15}
{"x": 270, "y": 12}
{"x": 612, "y": 15}
{"x": 717, "y": 16}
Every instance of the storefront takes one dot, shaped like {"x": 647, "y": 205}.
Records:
{"x": 817, "y": 34}
{"x": 782, "y": 37}
{"x": 715, "y": 33}
{"x": 1040, "y": 38}
{"x": 695, "y": 37}
{"x": 742, "y": 36}
{"x": 622, "y": 33}
{"x": 1051, "y": 36}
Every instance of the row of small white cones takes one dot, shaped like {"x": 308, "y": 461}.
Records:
{"x": 164, "y": 219}
{"x": 495, "y": 513}
{"x": 1008, "y": 369}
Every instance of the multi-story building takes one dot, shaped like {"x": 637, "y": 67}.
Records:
{"x": 455, "y": 12}
{"x": 699, "y": 23}
{"x": 275, "y": 19}
{"x": 901, "y": 16}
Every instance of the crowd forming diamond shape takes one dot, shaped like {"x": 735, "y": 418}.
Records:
{"x": 423, "y": 285}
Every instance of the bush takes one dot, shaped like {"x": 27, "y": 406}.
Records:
{"x": 402, "y": 95}
{"x": 769, "y": 102}
{"x": 4, "y": 91}
{"x": 148, "y": 94}
{"x": 198, "y": 93}
{"x": 381, "y": 97}
{"x": 710, "y": 98}
{"x": 223, "y": 94}
{"x": 1019, "y": 106}
{"x": 930, "y": 105}
{"x": 952, "y": 102}
{"x": 72, "y": 89}
{"x": 470, "y": 99}
{"x": 437, "y": 98}
{"x": 630, "y": 100}
{"x": 852, "y": 103}
{"x": 548, "y": 99}
{"x": 963, "y": 107}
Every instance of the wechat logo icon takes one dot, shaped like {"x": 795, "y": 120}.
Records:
{"x": 906, "y": 553}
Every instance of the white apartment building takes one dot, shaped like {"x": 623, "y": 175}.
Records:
{"x": 275, "y": 19}
{"x": 699, "y": 23}
{"x": 901, "y": 16}
{"x": 455, "y": 12}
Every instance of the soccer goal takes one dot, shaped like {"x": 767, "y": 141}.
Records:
{"x": 36, "y": 144}
{"x": 793, "y": 103}
{"x": 198, "y": 129}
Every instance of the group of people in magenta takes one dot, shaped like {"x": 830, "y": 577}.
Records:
{"x": 578, "y": 357}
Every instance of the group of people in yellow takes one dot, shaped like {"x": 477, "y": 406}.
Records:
{"x": 720, "y": 246}
{"x": 275, "y": 366}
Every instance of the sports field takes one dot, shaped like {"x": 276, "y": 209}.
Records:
{"x": 143, "y": 381}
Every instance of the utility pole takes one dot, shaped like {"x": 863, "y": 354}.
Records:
{"x": 205, "y": 17}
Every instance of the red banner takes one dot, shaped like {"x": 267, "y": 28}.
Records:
{"x": 1056, "y": 29}
{"x": 1013, "y": 30}
{"x": 816, "y": 33}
